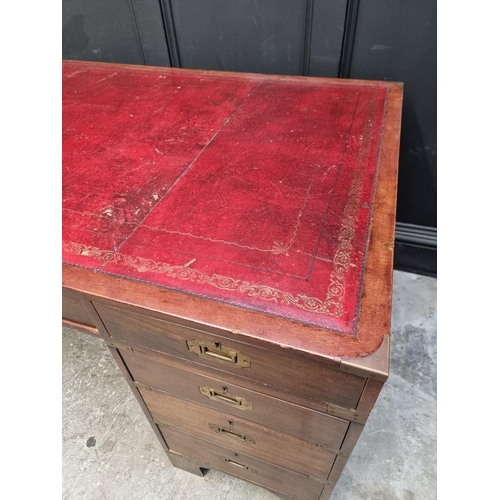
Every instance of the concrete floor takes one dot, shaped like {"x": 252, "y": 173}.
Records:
{"x": 111, "y": 453}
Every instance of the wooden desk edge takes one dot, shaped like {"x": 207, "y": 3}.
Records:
{"x": 376, "y": 307}
{"x": 234, "y": 74}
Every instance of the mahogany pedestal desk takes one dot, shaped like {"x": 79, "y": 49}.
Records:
{"x": 230, "y": 237}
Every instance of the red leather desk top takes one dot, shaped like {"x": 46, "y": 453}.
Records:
{"x": 251, "y": 190}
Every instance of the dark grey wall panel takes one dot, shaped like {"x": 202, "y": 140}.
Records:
{"x": 326, "y": 37}
{"x": 95, "y": 30}
{"x": 149, "y": 21}
{"x": 396, "y": 40}
{"x": 415, "y": 249}
{"x": 261, "y": 36}
{"x": 123, "y": 31}
{"x": 264, "y": 36}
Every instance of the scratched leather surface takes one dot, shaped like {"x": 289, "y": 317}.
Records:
{"x": 251, "y": 191}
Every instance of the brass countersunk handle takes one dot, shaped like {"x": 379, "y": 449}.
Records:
{"x": 238, "y": 465}
{"x": 231, "y": 433}
{"x": 215, "y": 351}
{"x": 225, "y": 398}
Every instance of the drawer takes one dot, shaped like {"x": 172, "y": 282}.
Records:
{"x": 73, "y": 309}
{"x": 213, "y": 456}
{"x": 239, "y": 435}
{"x": 307, "y": 379}
{"x": 318, "y": 428}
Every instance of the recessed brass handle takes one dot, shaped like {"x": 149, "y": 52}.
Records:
{"x": 238, "y": 465}
{"x": 215, "y": 351}
{"x": 231, "y": 433}
{"x": 225, "y": 398}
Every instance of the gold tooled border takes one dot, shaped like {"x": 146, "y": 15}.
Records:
{"x": 342, "y": 259}
{"x": 142, "y": 265}
{"x": 331, "y": 306}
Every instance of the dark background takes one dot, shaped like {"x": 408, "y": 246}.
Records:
{"x": 392, "y": 40}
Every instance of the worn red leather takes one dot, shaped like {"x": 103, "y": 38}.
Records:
{"x": 250, "y": 190}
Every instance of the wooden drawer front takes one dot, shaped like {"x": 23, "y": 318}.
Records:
{"x": 210, "y": 455}
{"x": 318, "y": 428}
{"x": 239, "y": 435}
{"x": 306, "y": 379}
{"x": 73, "y": 309}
